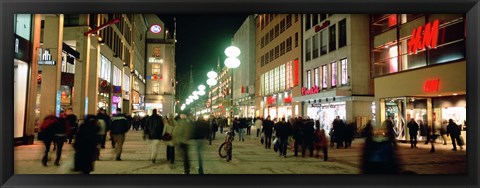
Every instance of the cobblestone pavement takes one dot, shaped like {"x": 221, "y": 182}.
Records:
{"x": 249, "y": 157}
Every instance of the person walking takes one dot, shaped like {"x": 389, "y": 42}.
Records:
{"x": 182, "y": 135}
{"x": 154, "y": 132}
{"x": 413, "y": 131}
{"x": 453, "y": 130}
{"x": 443, "y": 131}
{"x": 222, "y": 122}
{"x": 268, "y": 131}
{"x": 86, "y": 150}
{"x": 52, "y": 130}
{"x": 200, "y": 134}
{"x": 339, "y": 131}
{"x": 283, "y": 131}
{"x": 379, "y": 154}
{"x": 118, "y": 127}
{"x": 72, "y": 121}
{"x": 297, "y": 134}
{"x": 214, "y": 123}
{"x": 308, "y": 136}
{"x": 321, "y": 142}
{"x": 242, "y": 125}
{"x": 104, "y": 123}
{"x": 258, "y": 125}
{"x": 169, "y": 127}
{"x": 349, "y": 133}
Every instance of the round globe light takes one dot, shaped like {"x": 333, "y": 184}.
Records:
{"x": 188, "y": 101}
{"x": 212, "y": 74}
{"x": 190, "y": 97}
{"x": 195, "y": 93}
{"x": 232, "y": 51}
{"x": 201, "y": 92}
{"x": 212, "y": 82}
{"x": 232, "y": 62}
{"x": 195, "y": 97}
{"x": 201, "y": 87}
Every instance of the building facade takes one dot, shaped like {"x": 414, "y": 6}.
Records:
{"x": 244, "y": 75}
{"x": 278, "y": 65}
{"x": 336, "y": 71}
{"x": 419, "y": 65}
{"x": 160, "y": 67}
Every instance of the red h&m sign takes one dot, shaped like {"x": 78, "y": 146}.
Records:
{"x": 271, "y": 100}
{"x": 429, "y": 39}
{"x": 431, "y": 85}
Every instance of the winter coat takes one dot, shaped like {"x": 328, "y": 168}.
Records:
{"x": 182, "y": 133}
{"x": 119, "y": 124}
{"x": 169, "y": 127}
{"x": 413, "y": 128}
{"x": 453, "y": 130}
{"x": 258, "y": 124}
{"x": 320, "y": 138}
{"x": 86, "y": 145}
{"x": 283, "y": 130}
{"x": 154, "y": 127}
{"x": 268, "y": 127}
{"x": 201, "y": 130}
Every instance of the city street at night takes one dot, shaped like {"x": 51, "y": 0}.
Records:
{"x": 249, "y": 157}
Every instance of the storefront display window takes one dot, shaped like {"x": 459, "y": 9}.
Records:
{"x": 334, "y": 74}
{"x": 309, "y": 79}
{"x": 105, "y": 68}
{"x": 316, "y": 76}
{"x": 344, "y": 75}
{"x": 117, "y": 76}
{"x": 20, "y": 90}
{"x": 328, "y": 113}
{"x": 325, "y": 76}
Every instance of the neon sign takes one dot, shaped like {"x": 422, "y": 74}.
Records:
{"x": 310, "y": 91}
{"x": 431, "y": 85}
{"x": 428, "y": 40}
{"x": 155, "y": 28}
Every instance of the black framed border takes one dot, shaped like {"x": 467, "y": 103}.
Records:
{"x": 10, "y": 7}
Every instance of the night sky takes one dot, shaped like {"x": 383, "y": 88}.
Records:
{"x": 201, "y": 40}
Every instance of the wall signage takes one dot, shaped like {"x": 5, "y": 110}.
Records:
{"x": 427, "y": 40}
{"x": 313, "y": 90}
{"x": 46, "y": 58}
{"x": 323, "y": 25}
{"x": 155, "y": 28}
{"x": 271, "y": 100}
{"x": 431, "y": 85}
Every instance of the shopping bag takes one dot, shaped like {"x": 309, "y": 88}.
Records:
{"x": 462, "y": 142}
{"x": 262, "y": 139}
{"x": 276, "y": 145}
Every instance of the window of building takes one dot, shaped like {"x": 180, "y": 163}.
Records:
{"x": 262, "y": 42}
{"x": 289, "y": 75}
{"x": 289, "y": 44}
{"x": 282, "y": 48}
{"x": 155, "y": 69}
{"x": 267, "y": 39}
{"x": 126, "y": 82}
{"x": 314, "y": 20}
{"x": 282, "y": 26}
{"x": 155, "y": 88}
{"x": 282, "y": 78}
{"x": 334, "y": 74}
{"x": 272, "y": 55}
{"x": 308, "y": 49}
{"x": 333, "y": 39}
{"x": 272, "y": 35}
{"x": 296, "y": 39}
{"x": 324, "y": 41}
{"x": 105, "y": 69}
{"x": 307, "y": 22}
{"x": 262, "y": 60}
{"x": 296, "y": 17}
{"x": 325, "y": 76}
{"x": 277, "y": 30}
{"x": 323, "y": 17}
{"x": 344, "y": 68}
{"x": 71, "y": 19}
{"x": 267, "y": 58}
{"x": 316, "y": 76}
{"x": 315, "y": 45}
{"x": 66, "y": 66}
{"x": 342, "y": 33}
{"x": 117, "y": 76}
{"x": 309, "y": 79}
{"x": 289, "y": 20}
{"x": 277, "y": 51}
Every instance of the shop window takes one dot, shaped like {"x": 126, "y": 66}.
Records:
{"x": 324, "y": 41}
{"x": 344, "y": 69}
{"x": 117, "y": 76}
{"x": 308, "y": 50}
{"x": 315, "y": 46}
{"x": 282, "y": 78}
{"x": 342, "y": 33}
{"x": 126, "y": 82}
{"x": 105, "y": 68}
{"x": 384, "y": 24}
{"x": 334, "y": 74}
{"x": 155, "y": 88}
{"x": 333, "y": 39}
{"x": 316, "y": 76}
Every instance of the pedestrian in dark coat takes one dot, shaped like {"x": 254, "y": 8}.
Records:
{"x": 268, "y": 131}
{"x": 154, "y": 130}
{"x": 339, "y": 131}
{"x": 52, "y": 130}
{"x": 453, "y": 130}
{"x": 102, "y": 116}
{"x": 379, "y": 154}
{"x": 118, "y": 127}
{"x": 321, "y": 142}
{"x": 349, "y": 134}
{"x": 413, "y": 131}
{"x": 297, "y": 134}
{"x": 284, "y": 130}
{"x": 72, "y": 121}
{"x": 86, "y": 145}
{"x": 308, "y": 137}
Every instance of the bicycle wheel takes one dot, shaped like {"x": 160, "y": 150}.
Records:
{"x": 229, "y": 152}
{"x": 223, "y": 150}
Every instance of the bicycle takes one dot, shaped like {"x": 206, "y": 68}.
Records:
{"x": 225, "y": 150}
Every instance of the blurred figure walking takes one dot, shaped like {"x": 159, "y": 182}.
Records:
{"x": 308, "y": 136}
{"x": 86, "y": 150}
{"x": 321, "y": 142}
{"x": 454, "y": 131}
{"x": 258, "y": 125}
{"x": 200, "y": 134}
{"x": 169, "y": 127}
{"x": 183, "y": 133}
{"x": 154, "y": 131}
{"x": 268, "y": 131}
{"x": 119, "y": 126}
{"x": 53, "y": 130}
{"x": 413, "y": 131}
{"x": 284, "y": 130}
{"x": 103, "y": 117}
{"x": 379, "y": 152}
{"x": 72, "y": 121}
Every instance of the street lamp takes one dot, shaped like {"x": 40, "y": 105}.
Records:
{"x": 232, "y": 62}
{"x": 212, "y": 74}
{"x": 201, "y": 92}
{"x": 212, "y": 80}
{"x": 201, "y": 87}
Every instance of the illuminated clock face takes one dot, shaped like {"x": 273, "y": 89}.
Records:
{"x": 155, "y": 29}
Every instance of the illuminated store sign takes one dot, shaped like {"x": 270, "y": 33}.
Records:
{"x": 155, "y": 29}
{"x": 313, "y": 90}
{"x": 427, "y": 40}
{"x": 46, "y": 58}
{"x": 431, "y": 85}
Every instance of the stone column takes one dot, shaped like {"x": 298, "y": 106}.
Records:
{"x": 52, "y": 40}
{"x": 80, "y": 85}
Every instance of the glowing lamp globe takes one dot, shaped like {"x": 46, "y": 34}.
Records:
{"x": 201, "y": 87}
{"x": 232, "y": 51}
{"x": 195, "y": 97}
{"x": 212, "y": 82}
{"x": 201, "y": 92}
{"x": 212, "y": 75}
{"x": 195, "y": 93}
{"x": 232, "y": 62}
